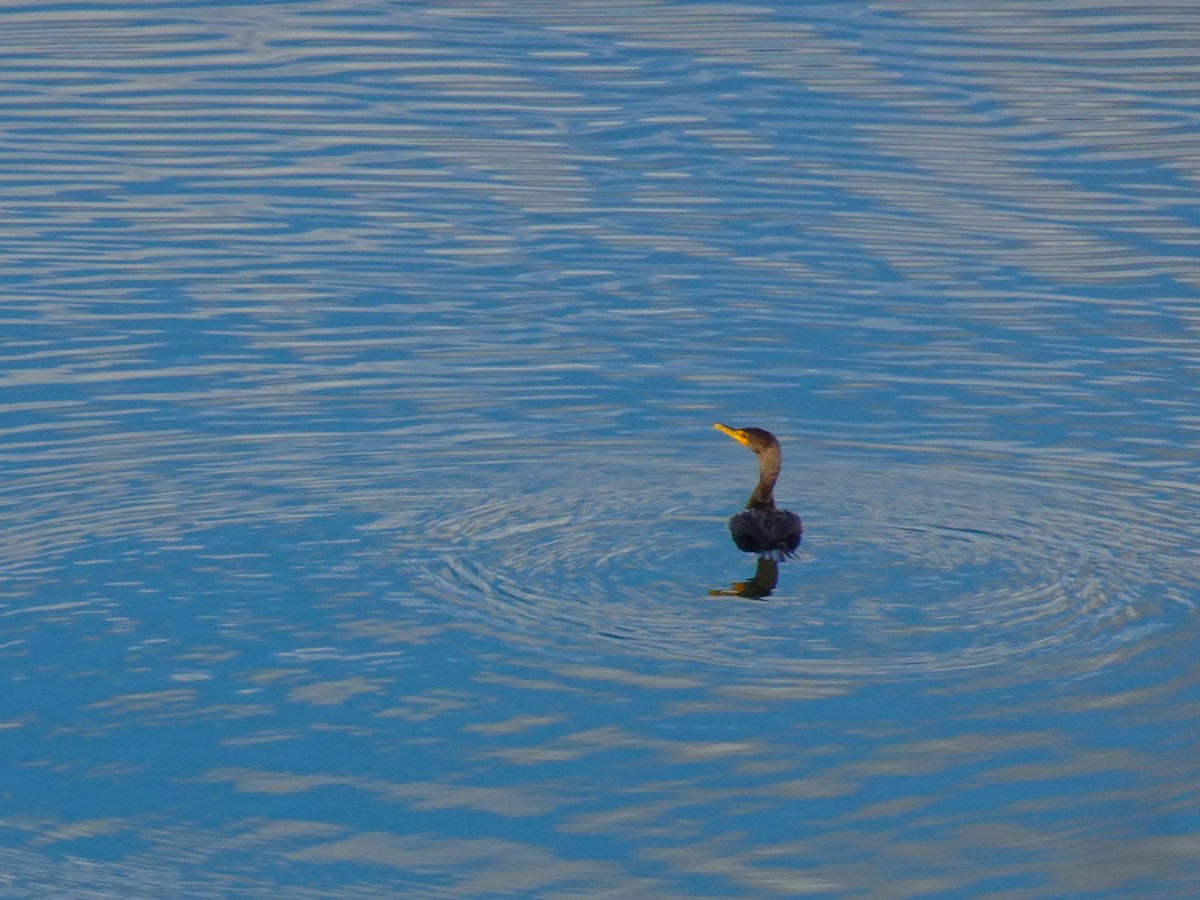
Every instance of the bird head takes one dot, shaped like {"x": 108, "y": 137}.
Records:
{"x": 757, "y": 439}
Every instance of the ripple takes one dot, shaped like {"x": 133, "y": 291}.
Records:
{"x": 906, "y": 569}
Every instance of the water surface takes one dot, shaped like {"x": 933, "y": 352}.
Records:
{"x": 362, "y": 513}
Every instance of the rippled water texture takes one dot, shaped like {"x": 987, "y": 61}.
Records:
{"x": 364, "y": 528}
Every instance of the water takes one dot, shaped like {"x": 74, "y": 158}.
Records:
{"x": 363, "y": 524}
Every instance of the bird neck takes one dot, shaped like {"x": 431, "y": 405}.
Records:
{"x": 768, "y": 473}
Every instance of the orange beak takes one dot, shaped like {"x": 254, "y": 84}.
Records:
{"x": 739, "y": 436}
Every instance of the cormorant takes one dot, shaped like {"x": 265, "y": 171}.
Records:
{"x": 762, "y": 528}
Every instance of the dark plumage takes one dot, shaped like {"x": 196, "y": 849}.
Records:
{"x": 762, "y": 528}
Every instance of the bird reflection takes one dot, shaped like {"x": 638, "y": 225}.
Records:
{"x": 759, "y": 587}
{"x": 762, "y": 528}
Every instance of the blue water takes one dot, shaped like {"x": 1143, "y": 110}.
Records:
{"x": 363, "y": 526}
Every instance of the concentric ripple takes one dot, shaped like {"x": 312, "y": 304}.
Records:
{"x": 920, "y": 568}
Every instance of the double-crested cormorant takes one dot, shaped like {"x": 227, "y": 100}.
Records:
{"x": 761, "y": 527}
